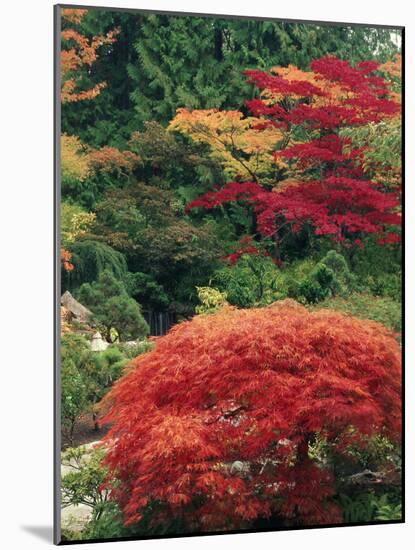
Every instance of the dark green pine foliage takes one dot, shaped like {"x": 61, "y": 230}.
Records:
{"x": 159, "y": 63}
{"x": 90, "y": 258}
{"x": 264, "y": 44}
{"x": 181, "y": 62}
{"x": 113, "y": 309}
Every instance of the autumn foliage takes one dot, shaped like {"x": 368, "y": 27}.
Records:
{"x": 79, "y": 52}
{"x": 320, "y": 179}
{"x": 215, "y": 424}
{"x": 211, "y": 173}
{"x": 66, "y": 257}
{"x": 234, "y": 140}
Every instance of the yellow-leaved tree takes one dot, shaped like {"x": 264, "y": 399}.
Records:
{"x": 240, "y": 144}
{"x": 75, "y": 164}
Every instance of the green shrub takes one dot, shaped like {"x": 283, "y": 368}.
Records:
{"x": 105, "y": 369}
{"x": 83, "y": 482}
{"x": 210, "y": 298}
{"x": 386, "y": 284}
{"x": 253, "y": 280}
{"x": 107, "y": 524}
{"x": 343, "y": 280}
{"x": 365, "y": 306}
{"x": 87, "y": 483}
{"x": 329, "y": 277}
{"x": 75, "y": 357}
{"x": 86, "y": 377}
{"x": 256, "y": 280}
{"x": 113, "y": 308}
{"x": 317, "y": 286}
{"x": 131, "y": 350}
{"x": 365, "y": 507}
{"x": 386, "y": 511}
{"x": 359, "y": 508}
{"x": 90, "y": 259}
{"x": 146, "y": 290}
{"x": 378, "y": 268}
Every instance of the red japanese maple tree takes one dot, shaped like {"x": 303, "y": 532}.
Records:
{"x": 330, "y": 191}
{"x": 214, "y": 425}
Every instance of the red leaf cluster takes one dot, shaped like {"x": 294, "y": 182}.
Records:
{"x": 337, "y": 206}
{"x": 232, "y": 191}
{"x": 246, "y": 245}
{"x": 279, "y": 85}
{"x": 328, "y": 148}
{"x": 364, "y": 96}
{"x": 214, "y": 424}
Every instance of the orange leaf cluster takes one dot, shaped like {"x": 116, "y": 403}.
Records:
{"x": 214, "y": 424}
{"x": 77, "y": 52}
{"x": 73, "y": 15}
{"x": 393, "y": 70}
{"x": 333, "y": 92}
{"x": 109, "y": 159}
{"x": 66, "y": 257}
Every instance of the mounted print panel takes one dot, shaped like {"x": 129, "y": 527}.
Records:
{"x": 228, "y": 274}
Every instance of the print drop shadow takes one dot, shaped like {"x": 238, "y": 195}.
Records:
{"x": 43, "y": 532}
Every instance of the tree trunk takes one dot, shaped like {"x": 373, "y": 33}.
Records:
{"x": 302, "y": 450}
{"x": 218, "y": 44}
{"x": 95, "y": 420}
{"x": 276, "y": 251}
{"x": 71, "y": 430}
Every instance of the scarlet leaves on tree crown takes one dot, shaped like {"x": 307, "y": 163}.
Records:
{"x": 361, "y": 96}
{"x": 339, "y": 202}
{"x": 213, "y": 426}
{"x": 338, "y": 207}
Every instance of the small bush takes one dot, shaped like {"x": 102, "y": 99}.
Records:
{"x": 365, "y": 306}
{"x": 251, "y": 281}
{"x": 329, "y": 277}
{"x": 365, "y": 507}
{"x": 113, "y": 308}
{"x": 130, "y": 350}
{"x": 386, "y": 284}
{"x": 211, "y": 299}
{"x": 76, "y": 357}
{"x": 317, "y": 286}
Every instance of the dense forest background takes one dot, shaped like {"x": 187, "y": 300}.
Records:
{"x": 126, "y": 177}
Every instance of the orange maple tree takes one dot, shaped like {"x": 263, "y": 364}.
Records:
{"x": 214, "y": 426}
{"x": 78, "y": 52}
